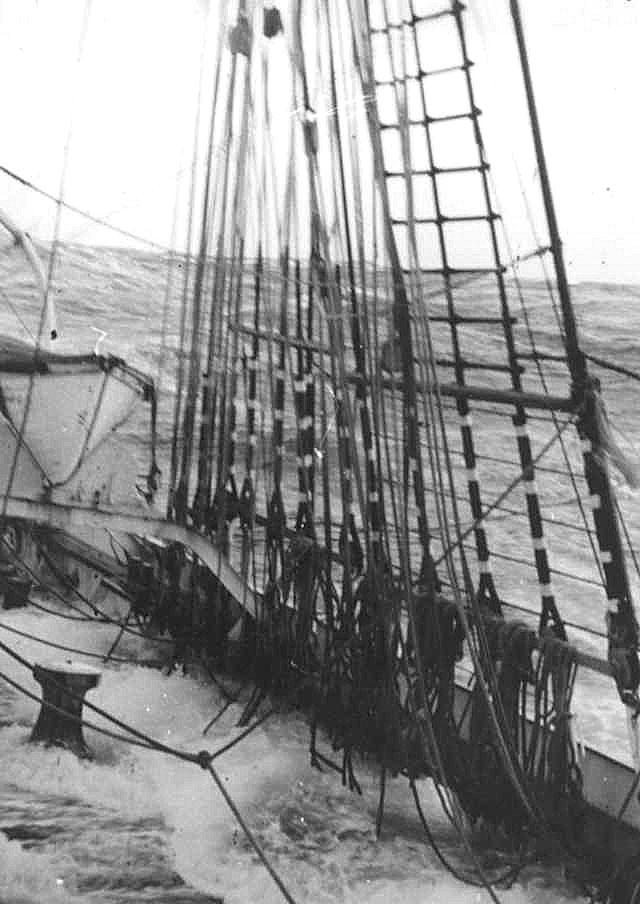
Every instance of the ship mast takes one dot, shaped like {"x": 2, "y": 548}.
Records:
{"x": 621, "y": 622}
{"x": 575, "y": 355}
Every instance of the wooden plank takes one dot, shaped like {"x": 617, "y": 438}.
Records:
{"x": 74, "y": 518}
{"x": 606, "y": 781}
{"x": 87, "y": 554}
{"x": 487, "y": 394}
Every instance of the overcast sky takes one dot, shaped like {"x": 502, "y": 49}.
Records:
{"x": 135, "y": 106}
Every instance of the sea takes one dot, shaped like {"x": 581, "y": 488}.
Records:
{"x": 133, "y": 825}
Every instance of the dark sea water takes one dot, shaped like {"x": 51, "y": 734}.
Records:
{"x": 133, "y": 826}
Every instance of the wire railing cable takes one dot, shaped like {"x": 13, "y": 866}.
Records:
{"x": 58, "y": 646}
{"x": 203, "y": 758}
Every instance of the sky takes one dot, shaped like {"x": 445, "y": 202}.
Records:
{"x": 586, "y": 70}
{"x": 131, "y": 104}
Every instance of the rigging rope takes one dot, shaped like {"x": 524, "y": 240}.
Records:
{"x": 58, "y": 646}
{"x": 177, "y": 409}
{"x": 48, "y": 296}
{"x": 512, "y": 485}
{"x": 204, "y": 759}
{"x": 62, "y": 578}
{"x": 616, "y": 368}
{"x": 438, "y": 469}
{"x": 83, "y": 213}
{"x": 367, "y": 658}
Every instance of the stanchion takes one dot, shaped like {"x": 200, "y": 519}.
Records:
{"x": 16, "y": 592}
{"x": 61, "y": 726}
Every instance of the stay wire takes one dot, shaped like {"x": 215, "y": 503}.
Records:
{"x": 632, "y": 550}
{"x": 25, "y": 662}
{"x": 58, "y": 646}
{"x": 554, "y": 416}
{"x": 100, "y": 614}
{"x": 64, "y": 615}
{"x": 453, "y": 546}
{"x": 77, "y": 720}
{"x": 173, "y": 467}
{"x": 168, "y": 293}
{"x": 193, "y": 378}
{"x": 609, "y": 365}
{"x": 146, "y": 742}
{"x": 329, "y": 293}
{"x": 83, "y": 213}
{"x": 84, "y": 27}
{"x": 374, "y": 128}
{"x": 508, "y": 876}
{"x": 33, "y": 574}
{"x": 97, "y": 611}
{"x": 243, "y": 734}
{"x": 552, "y": 296}
{"x": 509, "y": 489}
{"x": 204, "y": 758}
{"x": 17, "y": 315}
{"x": 249, "y": 834}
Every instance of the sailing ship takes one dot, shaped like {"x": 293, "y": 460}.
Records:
{"x": 374, "y": 414}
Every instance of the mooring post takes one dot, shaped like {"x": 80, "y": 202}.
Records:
{"x": 63, "y": 687}
{"x": 16, "y": 591}
{"x": 7, "y": 570}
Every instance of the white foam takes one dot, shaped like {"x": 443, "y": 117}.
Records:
{"x": 318, "y": 835}
{"x": 28, "y": 877}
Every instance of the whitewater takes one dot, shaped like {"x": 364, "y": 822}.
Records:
{"x": 136, "y": 825}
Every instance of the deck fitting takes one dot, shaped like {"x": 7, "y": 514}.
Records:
{"x": 63, "y": 688}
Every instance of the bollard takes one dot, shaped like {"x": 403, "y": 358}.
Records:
{"x": 7, "y": 570}
{"x": 134, "y": 564}
{"x": 59, "y": 681}
{"x": 140, "y": 584}
{"x": 17, "y": 590}
{"x": 145, "y": 590}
